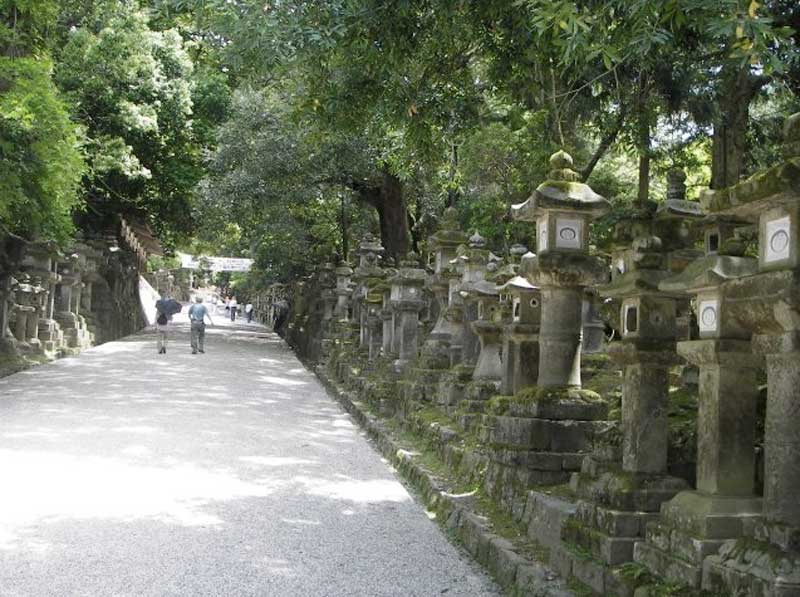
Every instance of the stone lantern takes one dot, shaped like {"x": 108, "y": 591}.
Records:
{"x": 444, "y": 244}
{"x": 327, "y": 281}
{"x": 41, "y": 263}
{"x": 488, "y": 327}
{"x": 68, "y": 302}
{"x": 562, "y": 209}
{"x": 387, "y": 315}
{"x": 471, "y": 263}
{"x": 407, "y": 302}
{"x": 24, "y": 310}
{"x": 728, "y": 392}
{"x": 521, "y": 336}
{"x": 343, "y": 292}
{"x": 765, "y": 302}
{"x": 616, "y": 502}
{"x": 367, "y": 274}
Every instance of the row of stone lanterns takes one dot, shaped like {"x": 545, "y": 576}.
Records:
{"x": 519, "y": 329}
{"x": 60, "y": 303}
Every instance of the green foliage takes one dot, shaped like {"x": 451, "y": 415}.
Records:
{"x": 132, "y": 89}
{"x": 156, "y": 263}
{"x": 25, "y": 25}
{"x": 40, "y": 157}
{"x": 282, "y": 184}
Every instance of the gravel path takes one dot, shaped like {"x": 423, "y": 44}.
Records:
{"x": 125, "y": 472}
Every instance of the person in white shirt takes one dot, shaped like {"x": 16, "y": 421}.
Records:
{"x": 248, "y": 309}
{"x": 233, "y": 305}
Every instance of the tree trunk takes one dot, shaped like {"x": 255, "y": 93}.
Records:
{"x": 736, "y": 93}
{"x": 390, "y": 204}
{"x": 452, "y": 191}
{"x": 345, "y": 229}
{"x": 393, "y": 217}
{"x": 606, "y": 142}
{"x": 643, "y": 140}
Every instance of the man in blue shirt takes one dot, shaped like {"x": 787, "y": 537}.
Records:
{"x": 197, "y": 316}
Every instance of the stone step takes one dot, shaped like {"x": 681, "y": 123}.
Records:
{"x": 616, "y": 523}
{"x": 539, "y": 434}
{"x": 680, "y": 544}
{"x": 607, "y": 549}
{"x": 545, "y": 515}
{"x": 667, "y": 565}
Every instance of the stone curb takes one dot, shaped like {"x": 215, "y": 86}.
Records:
{"x": 518, "y": 575}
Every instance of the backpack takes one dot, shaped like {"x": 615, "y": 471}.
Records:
{"x": 162, "y": 319}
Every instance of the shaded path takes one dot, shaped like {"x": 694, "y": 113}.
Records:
{"x": 124, "y": 472}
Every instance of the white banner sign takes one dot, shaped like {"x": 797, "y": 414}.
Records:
{"x": 216, "y": 264}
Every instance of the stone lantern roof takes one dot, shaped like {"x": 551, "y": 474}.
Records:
{"x": 561, "y": 191}
{"x": 369, "y": 244}
{"x": 709, "y": 272}
{"x": 517, "y": 285}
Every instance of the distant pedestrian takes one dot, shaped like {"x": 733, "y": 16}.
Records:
{"x": 197, "y": 317}
{"x": 233, "y": 306}
{"x": 248, "y": 308}
{"x": 165, "y": 309}
{"x": 162, "y": 328}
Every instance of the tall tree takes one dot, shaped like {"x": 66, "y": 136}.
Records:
{"x": 40, "y": 155}
{"x": 131, "y": 87}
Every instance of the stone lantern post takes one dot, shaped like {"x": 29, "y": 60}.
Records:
{"x": 562, "y": 209}
{"x": 343, "y": 292}
{"x": 328, "y": 299}
{"x": 387, "y": 315}
{"x": 472, "y": 262}
{"x": 327, "y": 280}
{"x": 407, "y": 302}
{"x": 444, "y": 244}
{"x": 24, "y": 310}
{"x": 367, "y": 274}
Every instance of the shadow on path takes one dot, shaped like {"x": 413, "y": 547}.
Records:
{"x": 127, "y": 472}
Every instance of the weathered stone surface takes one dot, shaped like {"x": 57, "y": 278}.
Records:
{"x": 545, "y": 515}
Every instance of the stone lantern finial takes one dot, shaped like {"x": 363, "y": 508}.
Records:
{"x": 476, "y": 241}
{"x": 561, "y": 164}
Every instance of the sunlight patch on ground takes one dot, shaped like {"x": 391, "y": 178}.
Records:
{"x": 50, "y": 487}
{"x": 301, "y": 521}
{"x": 281, "y": 381}
{"x": 137, "y": 451}
{"x": 365, "y": 492}
{"x": 275, "y": 460}
{"x": 140, "y": 429}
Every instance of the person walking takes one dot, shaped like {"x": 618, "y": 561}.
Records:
{"x": 248, "y": 308}
{"x": 233, "y": 305}
{"x": 197, "y": 317}
{"x": 162, "y": 327}
{"x": 165, "y": 308}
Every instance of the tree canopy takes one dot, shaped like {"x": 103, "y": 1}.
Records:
{"x": 284, "y": 130}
